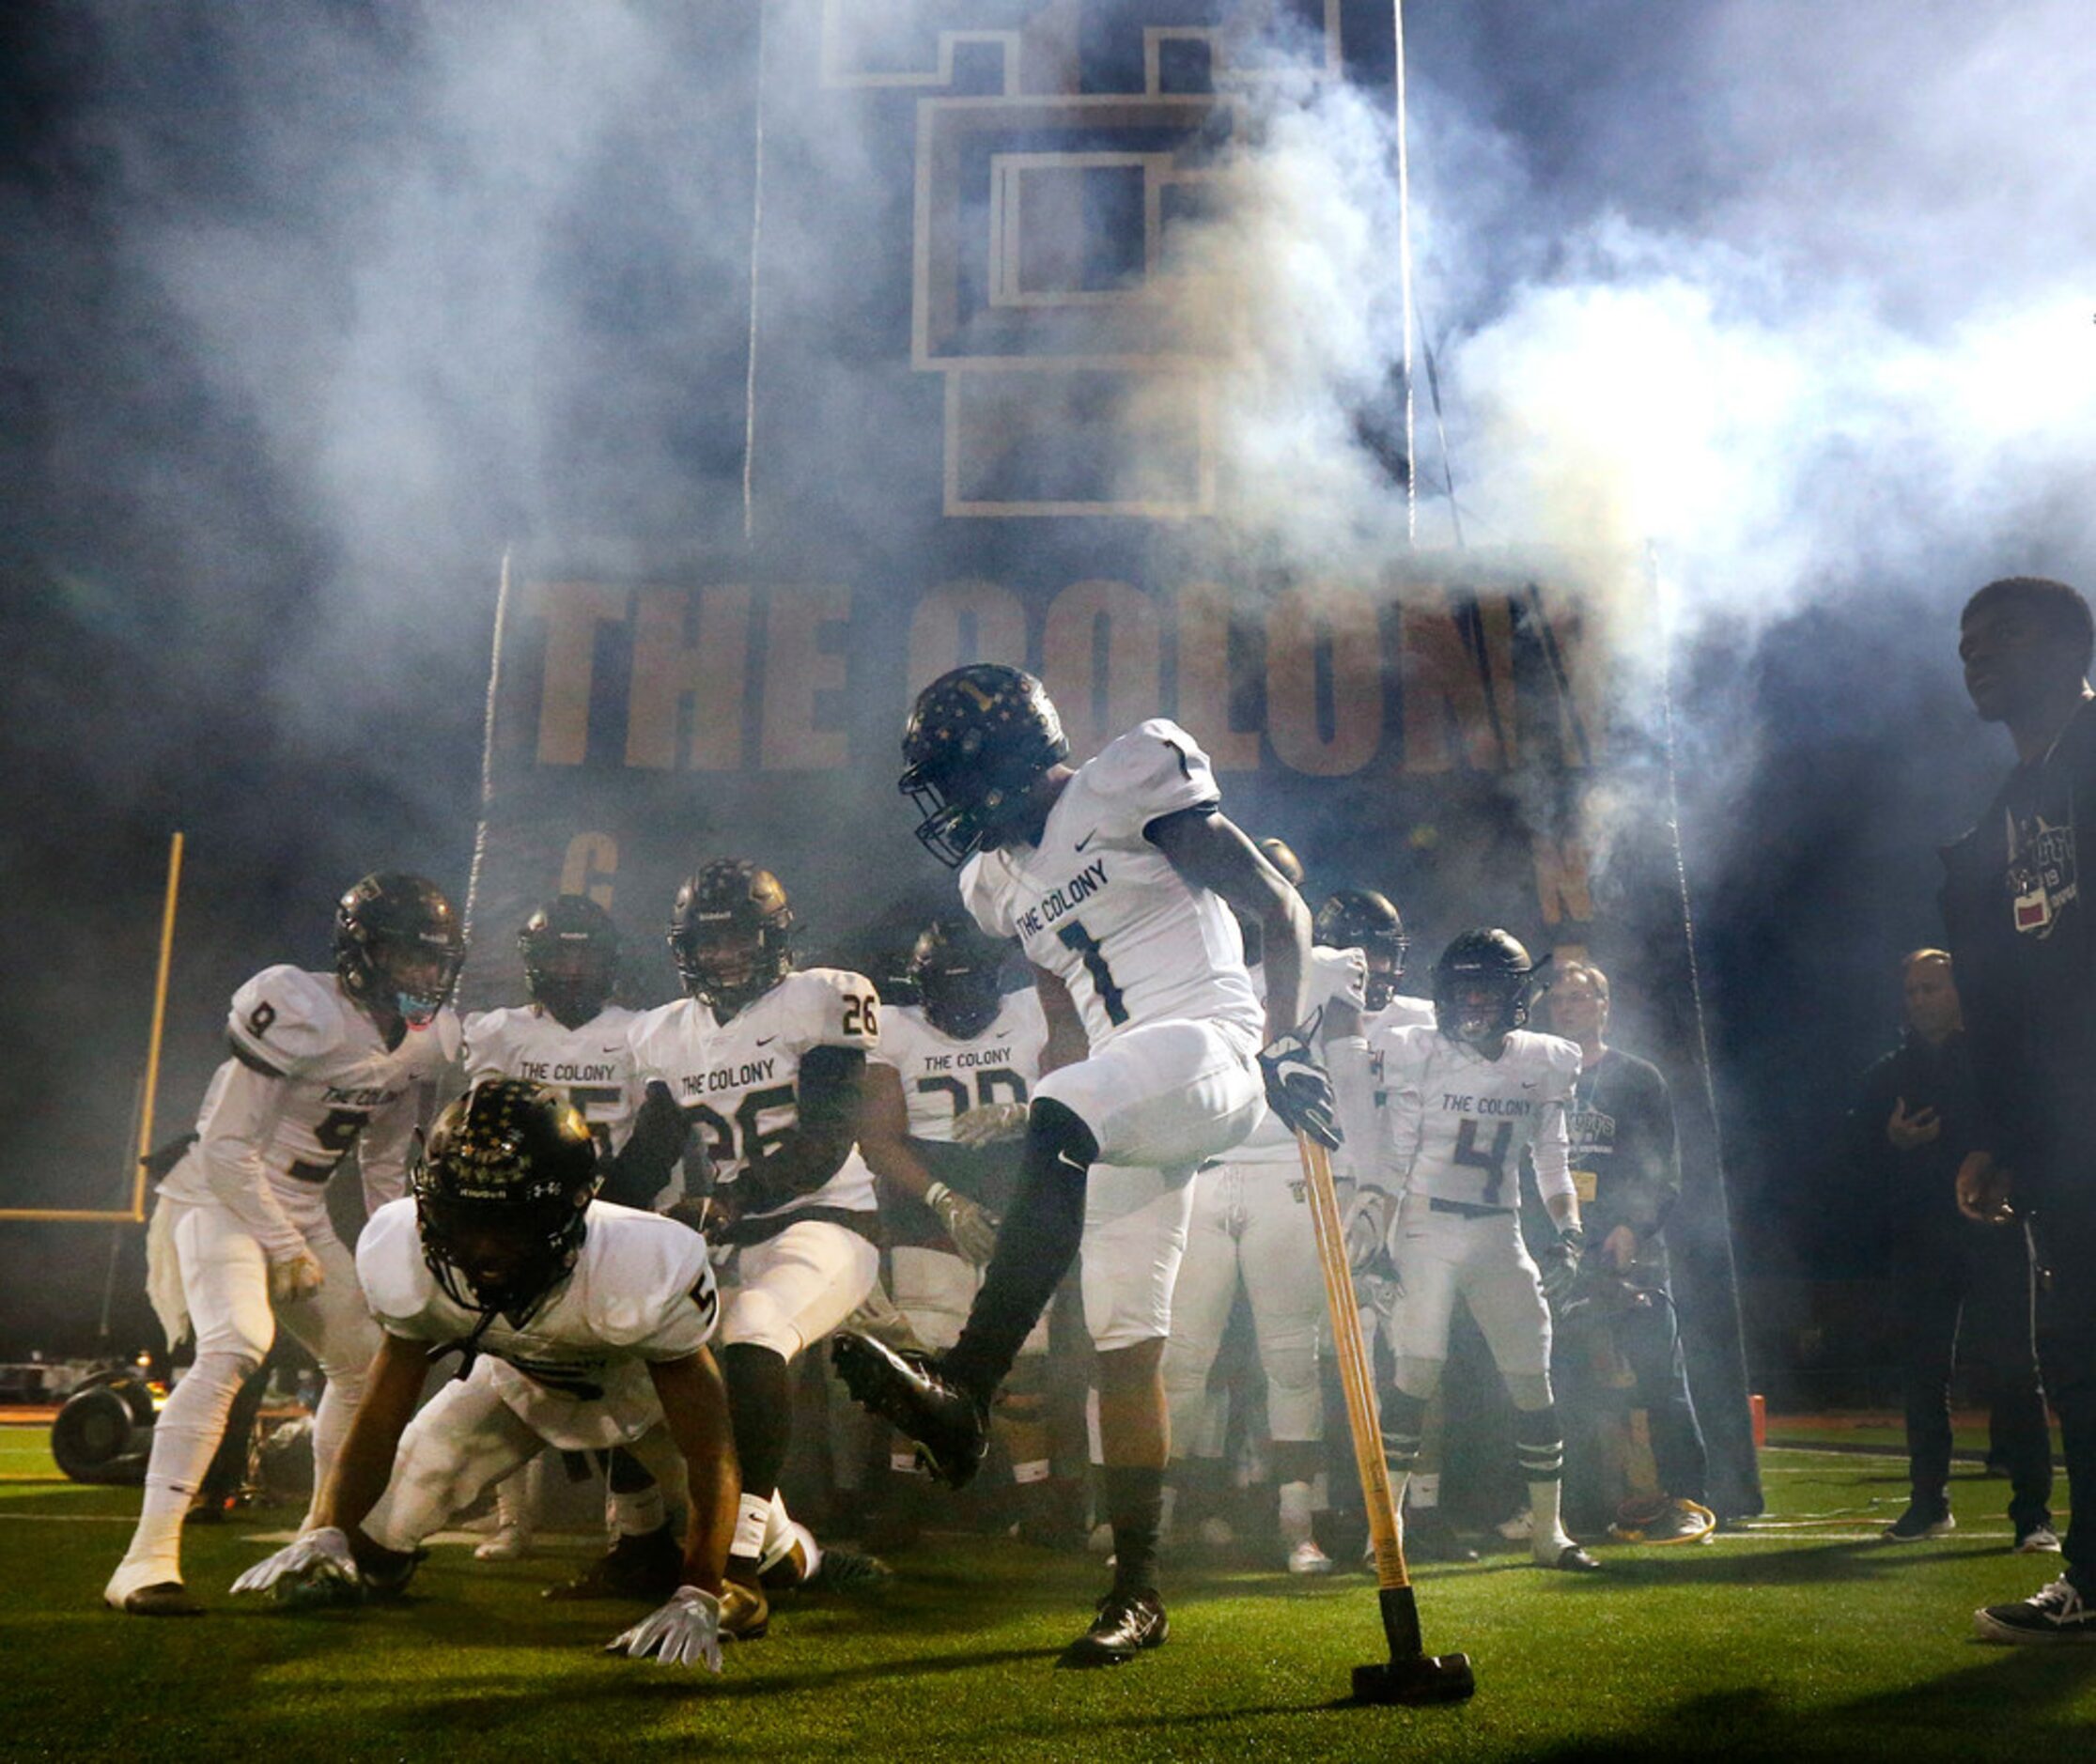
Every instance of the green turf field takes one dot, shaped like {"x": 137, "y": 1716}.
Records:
{"x": 1804, "y": 1636}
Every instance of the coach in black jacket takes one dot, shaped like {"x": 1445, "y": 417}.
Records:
{"x": 1963, "y": 1287}
{"x": 2025, "y": 951}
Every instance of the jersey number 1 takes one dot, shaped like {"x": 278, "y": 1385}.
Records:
{"x": 1075, "y": 937}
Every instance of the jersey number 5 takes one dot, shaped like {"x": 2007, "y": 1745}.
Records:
{"x": 1492, "y": 1158}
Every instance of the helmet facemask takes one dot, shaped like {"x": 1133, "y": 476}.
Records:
{"x": 977, "y": 741}
{"x": 398, "y": 947}
{"x": 570, "y": 951}
{"x": 731, "y": 935}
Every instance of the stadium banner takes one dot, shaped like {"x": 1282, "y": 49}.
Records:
{"x": 967, "y": 435}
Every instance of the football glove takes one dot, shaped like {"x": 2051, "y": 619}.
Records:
{"x": 1298, "y": 1088}
{"x": 684, "y": 1632}
{"x": 1561, "y": 1266}
{"x": 320, "y": 1561}
{"x": 968, "y": 1223}
{"x": 295, "y": 1277}
{"x": 990, "y": 1124}
{"x": 1368, "y": 1230}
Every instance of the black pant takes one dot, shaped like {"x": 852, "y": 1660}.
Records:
{"x": 1649, "y": 1345}
{"x": 1965, "y": 1293}
{"x": 2066, "y": 1244}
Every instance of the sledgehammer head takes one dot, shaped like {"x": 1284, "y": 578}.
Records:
{"x": 1422, "y": 1678}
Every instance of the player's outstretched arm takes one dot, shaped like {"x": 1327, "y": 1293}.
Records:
{"x": 1209, "y": 850}
{"x": 685, "y": 1630}
{"x": 361, "y": 1470}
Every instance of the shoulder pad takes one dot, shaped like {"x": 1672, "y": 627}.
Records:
{"x": 1156, "y": 770}
{"x": 832, "y": 1007}
{"x": 283, "y": 1018}
{"x": 397, "y": 1284}
{"x": 1022, "y": 1011}
{"x": 485, "y": 1043}
{"x": 642, "y": 1269}
{"x": 900, "y": 1027}
{"x": 1559, "y": 1057}
{"x": 442, "y": 1039}
{"x": 1336, "y": 975}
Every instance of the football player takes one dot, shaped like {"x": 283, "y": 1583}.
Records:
{"x": 1461, "y": 1102}
{"x": 572, "y": 1036}
{"x": 946, "y": 1099}
{"x": 768, "y": 1063}
{"x": 584, "y": 1326}
{"x": 1117, "y": 877}
{"x": 1250, "y": 1225}
{"x": 321, "y": 1065}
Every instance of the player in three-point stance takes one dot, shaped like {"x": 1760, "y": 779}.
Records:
{"x": 583, "y": 1324}
{"x": 1117, "y": 877}
{"x": 572, "y": 1036}
{"x": 768, "y": 1063}
{"x": 321, "y": 1063}
{"x": 1461, "y": 1102}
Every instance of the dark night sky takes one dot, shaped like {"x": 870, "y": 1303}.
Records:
{"x": 225, "y": 608}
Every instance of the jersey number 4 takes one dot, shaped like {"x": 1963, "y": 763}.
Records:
{"x": 1491, "y": 1159}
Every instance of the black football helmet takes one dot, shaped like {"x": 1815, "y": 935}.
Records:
{"x": 976, "y": 740}
{"x": 501, "y": 1186}
{"x": 1364, "y": 920}
{"x": 956, "y": 967}
{"x": 730, "y": 932}
{"x": 399, "y": 945}
{"x": 570, "y": 951}
{"x": 1483, "y": 985}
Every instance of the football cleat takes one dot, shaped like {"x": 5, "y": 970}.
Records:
{"x": 2057, "y": 1613}
{"x": 1307, "y": 1558}
{"x": 745, "y": 1612}
{"x": 1664, "y": 1520}
{"x": 1922, "y": 1519}
{"x": 1568, "y": 1557}
{"x": 2037, "y": 1540}
{"x": 649, "y": 1566}
{"x": 160, "y": 1598}
{"x": 949, "y": 1425}
{"x": 848, "y": 1571}
{"x": 1430, "y": 1538}
{"x": 1126, "y": 1624}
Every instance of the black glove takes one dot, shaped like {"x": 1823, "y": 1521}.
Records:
{"x": 1560, "y": 1266}
{"x": 164, "y": 1156}
{"x": 639, "y": 1171}
{"x": 1297, "y": 1090}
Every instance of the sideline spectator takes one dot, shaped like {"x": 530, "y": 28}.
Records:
{"x": 1960, "y": 1284}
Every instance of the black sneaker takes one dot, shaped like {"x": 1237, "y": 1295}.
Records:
{"x": 951, "y": 1428}
{"x": 1922, "y": 1519}
{"x": 2057, "y": 1612}
{"x": 1570, "y": 1557}
{"x": 1126, "y": 1624}
{"x": 647, "y": 1567}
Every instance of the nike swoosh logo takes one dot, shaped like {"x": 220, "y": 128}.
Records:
{"x": 1067, "y": 1161}
{"x": 1527, "y": 1084}
{"x": 766, "y": 1041}
{"x": 1086, "y": 840}
{"x": 1001, "y": 1034}
{"x": 615, "y": 1050}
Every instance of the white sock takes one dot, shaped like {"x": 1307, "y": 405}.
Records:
{"x": 1425, "y": 1489}
{"x": 1547, "y": 1538}
{"x": 185, "y": 1440}
{"x": 1169, "y": 1503}
{"x": 338, "y": 1408}
{"x": 1033, "y": 1470}
{"x": 1296, "y": 1506}
{"x": 753, "y": 1514}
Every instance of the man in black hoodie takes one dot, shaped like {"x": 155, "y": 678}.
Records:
{"x": 2024, "y": 949}
{"x": 1961, "y": 1284}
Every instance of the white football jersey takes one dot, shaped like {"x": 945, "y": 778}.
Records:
{"x": 339, "y": 1083}
{"x": 642, "y": 1289}
{"x": 1455, "y": 1123}
{"x": 1334, "y": 976}
{"x": 592, "y": 1066}
{"x": 1102, "y": 908}
{"x": 736, "y": 1079}
{"x": 943, "y": 1076}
